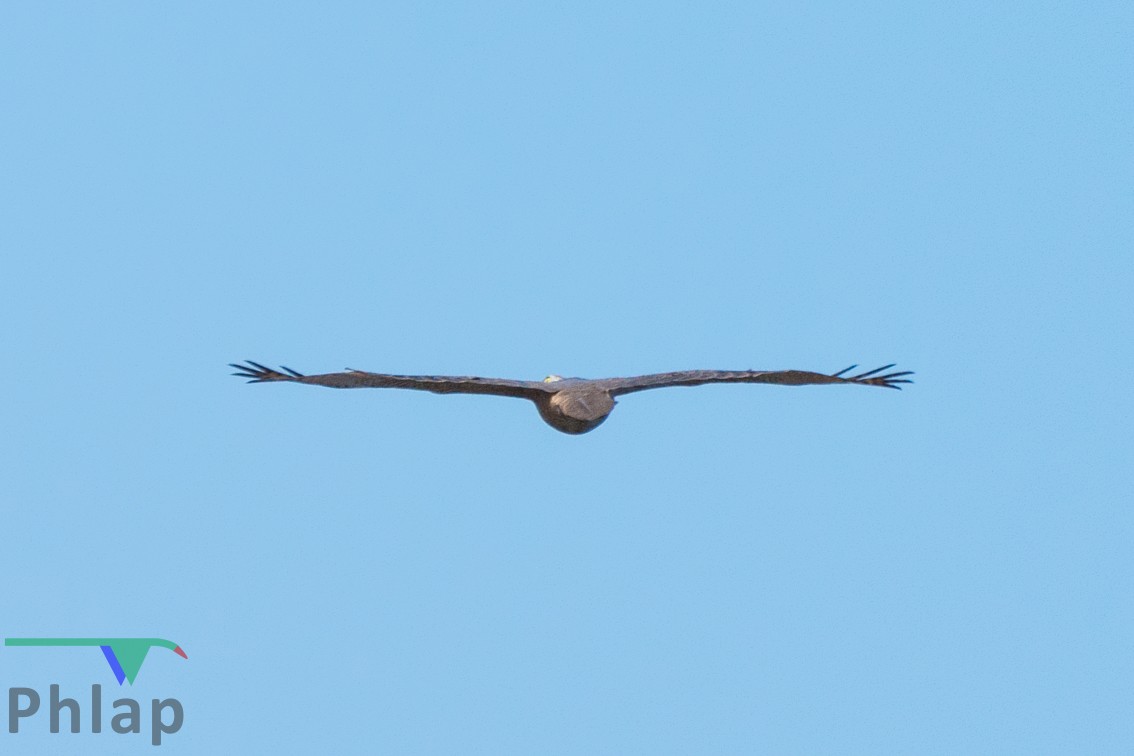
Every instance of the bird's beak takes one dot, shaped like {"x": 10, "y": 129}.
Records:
{"x": 180, "y": 653}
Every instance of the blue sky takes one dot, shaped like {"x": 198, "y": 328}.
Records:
{"x": 521, "y": 189}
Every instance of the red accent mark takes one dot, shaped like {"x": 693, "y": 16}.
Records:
{"x": 179, "y": 652}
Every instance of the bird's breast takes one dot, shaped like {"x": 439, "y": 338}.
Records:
{"x": 576, "y": 411}
{"x": 583, "y": 405}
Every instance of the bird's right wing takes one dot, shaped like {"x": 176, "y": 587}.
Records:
{"x": 438, "y": 384}
{"x": 618, "y": 386}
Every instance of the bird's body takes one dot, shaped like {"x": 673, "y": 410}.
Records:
{"x": 577, "y": 407}
{"x": 570, "y": 405}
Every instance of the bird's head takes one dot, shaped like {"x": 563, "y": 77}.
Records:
{"x": 552, "y": 378}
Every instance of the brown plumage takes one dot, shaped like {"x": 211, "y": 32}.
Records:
{"x": 571, "y": 405}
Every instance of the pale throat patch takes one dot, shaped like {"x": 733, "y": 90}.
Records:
{"x": 552, "y": 379}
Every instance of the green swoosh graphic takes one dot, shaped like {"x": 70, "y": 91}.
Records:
{"x": 127, "y": 654}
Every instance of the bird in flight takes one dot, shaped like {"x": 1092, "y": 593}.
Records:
{"x": 570, "y": 405}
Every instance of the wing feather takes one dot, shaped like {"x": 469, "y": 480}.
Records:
{"x": 438, "y": 384}
{"x": 618, "y": 386}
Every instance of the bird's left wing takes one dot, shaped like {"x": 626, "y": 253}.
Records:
{"x": 438, "y": 384}
{"x": 618, "y": 386}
